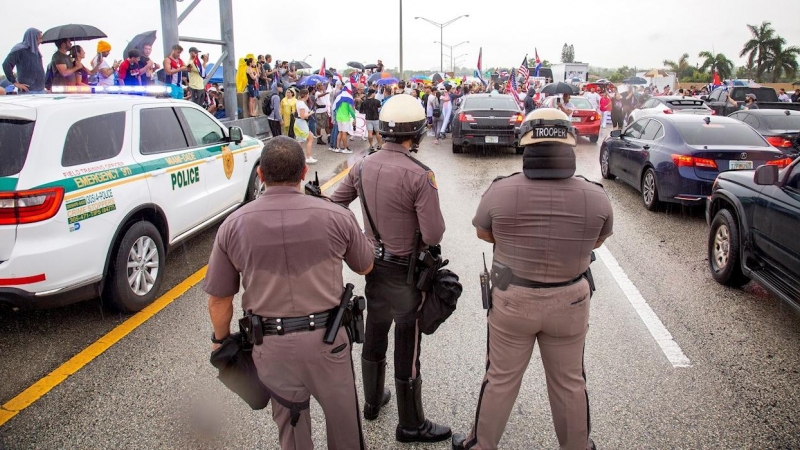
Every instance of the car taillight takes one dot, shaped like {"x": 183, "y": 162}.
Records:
{"x": 29, "y": 206}
{"x": 691, "y": 161}
{"x": 777, "y": 141}
{"x": 781, "y": 163}
{"x": 464, "y": 117}
{"x": 667, "y": 111}
{"x": 516, "y": 119}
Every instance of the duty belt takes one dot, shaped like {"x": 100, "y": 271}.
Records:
{"x": 517, "y": 281}
{"x": 394, "y": 259}
{"x": 310, "y": 322}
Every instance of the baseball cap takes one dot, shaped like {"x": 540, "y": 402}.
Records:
{"x": 193, "y": 50}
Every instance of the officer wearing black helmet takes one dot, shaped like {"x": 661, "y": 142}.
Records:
{"x": 544, "y": 223}
{"x": 399, "y": 197}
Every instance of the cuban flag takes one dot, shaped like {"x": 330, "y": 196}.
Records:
{"x": 538, "y": 62}
{"x": 345, "y": 100}
{"x": 479, "y": 72}
{"x": 322, "y": 69}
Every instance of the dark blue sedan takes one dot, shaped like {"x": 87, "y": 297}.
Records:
{"x": 676, "y": 158}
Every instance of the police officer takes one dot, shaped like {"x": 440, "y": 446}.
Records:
{"x": 287, "y": 248}
{"x": 398, "y": 196}
{"x": 544, "y": 223}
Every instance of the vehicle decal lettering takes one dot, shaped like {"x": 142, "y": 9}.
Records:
{"x": 186, "y": 177}
{"x": 86, "y": 170}
{"x": 89, "y": 206}
{"x": 227, "y": 161}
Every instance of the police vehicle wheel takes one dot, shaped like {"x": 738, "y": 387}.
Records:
{"x": 594, "y": 139}
{"x": 605, "y": 165}
{"x": 650, "y": 190}
{"x": 254, "y": 186}
{"x": 458, "y": 148}
{"x": 723, "y": 251}
{"x": 136, "y": 271}
{"x": 520, "y": 150}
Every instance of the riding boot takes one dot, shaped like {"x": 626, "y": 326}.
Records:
{"x": 375, "y": 394}
{"x": 413, "y": 426}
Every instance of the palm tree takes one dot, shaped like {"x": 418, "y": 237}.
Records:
{"x": 682, "y": 68}
{"x": 719, "y": 63}
{"x": 758, "y": 47}
{"x": 782, "y": 60}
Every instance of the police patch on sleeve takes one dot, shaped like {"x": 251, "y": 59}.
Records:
{"x": 432, "y": 180}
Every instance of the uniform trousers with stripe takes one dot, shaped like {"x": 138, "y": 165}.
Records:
{"x": 391, "y": 299}
{"x": 558, "y": 318}
{"x": 298, "y": 365}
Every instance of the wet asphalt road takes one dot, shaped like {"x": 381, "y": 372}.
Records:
{"x": 155, "y": 388}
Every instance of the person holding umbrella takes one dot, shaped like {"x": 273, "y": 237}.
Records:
{"x": 27, "y": 59}
{"x": 61, "y": 64}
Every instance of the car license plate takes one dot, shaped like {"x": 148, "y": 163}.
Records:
{"x": 575, "y": 119}
{"x": 492, "y": 139}
{"x": 740, "y": 165}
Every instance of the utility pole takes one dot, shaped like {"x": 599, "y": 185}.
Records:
{"x": 401, "y": 39}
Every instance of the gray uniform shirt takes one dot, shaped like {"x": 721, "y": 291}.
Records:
{"x": 545, "y": 230}
{"x": 401, "y": 195}
{"x": 287, "y": 248}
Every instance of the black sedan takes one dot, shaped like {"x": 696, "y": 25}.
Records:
{"x": 780, "y": 127}
{"x": 676, "y": 158}
{"x": 487, "y": 120}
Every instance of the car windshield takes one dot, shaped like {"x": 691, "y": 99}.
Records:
{"x": 15, "y": 139}
{"x": 580, "y": 103}
{"x": 687, "y": 104}
{"x": 496, "y": 103}
{"x": 784, "y": 122}
{"x": 698, "y": 133}
{"x": 762, "y": 94}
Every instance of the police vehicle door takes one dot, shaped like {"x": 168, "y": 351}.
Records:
{"x": 177, "y": 170}
{"x": 223, "y": 169}
{"x": 631, "y": 143}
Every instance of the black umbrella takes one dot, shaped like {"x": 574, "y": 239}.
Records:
{"x": 558, "y": 88}
{"x": 75, "y": 32}
{"x": 139, "y": 41}
{"x": 300, "y": 65}
{"x": 370, "y": 66}
{"x": 437, "y": 78}
{"x": 634, "y": 80}
{"x": 355, "y": 65}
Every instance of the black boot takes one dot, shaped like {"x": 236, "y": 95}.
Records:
{"x": 375, "y": 394}
{"x": 413, "y": 426}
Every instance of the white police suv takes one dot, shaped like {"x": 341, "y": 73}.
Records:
{"x": 94, "y": 189}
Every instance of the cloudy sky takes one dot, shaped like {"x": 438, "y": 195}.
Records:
{"x": 641, "y": 33}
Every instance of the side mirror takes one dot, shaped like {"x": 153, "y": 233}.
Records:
{"x": 766, "y": 175}
{"x": 616, "y": 133}
{"x": 235, "y": 135}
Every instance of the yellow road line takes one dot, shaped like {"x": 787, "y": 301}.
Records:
{"x": 37, "y": 390}
{"x": 54, "y": 378}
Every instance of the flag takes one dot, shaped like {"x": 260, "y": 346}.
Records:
{"x": 344, "y": 99}
{"x": 717, "y": 81}
{"x": 512, "y": 84}
{"x": 524, "y": 72}
{"x": 504, "y": 73}
{"x": 322, "y": 69}
{"x": 538, "y": 63}
{"x": 353, "y": 77}
{"x": 479, "y": 71}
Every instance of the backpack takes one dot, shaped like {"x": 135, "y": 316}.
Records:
{"x": 267, "y": 107}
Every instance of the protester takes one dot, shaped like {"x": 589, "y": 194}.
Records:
{"x": 605, "y": 109}
{"x": 100, "y": 64}
{"x": 371, "y": 108}
{"x": 594, "y": 98}
{"x": 173, "y": 68}
{"x": 129, "y": 69}
{"x": 147, "y": 67}
{"x": 267, "y": 72}
{"x": 387, "y": 94}
{"x": 27, "y": 59}
{"x": 783, "y": 96}
{"x": 447, "y": 109}
{"x": 333, "y": 140}
{"x": 301, "y": 129}
{"x": 617, "y": 110}
{"x": 274, "y": 118}
{"x": 197, "y": 73}
{"x": 380, "y": 66}
{"x": 252, "y": 84}
{"x": 530, "y": 104}
{"x": 322, "y": 106}
{"x": 81, "y": 76}
{"x": 435, "y": 106}
{"x": 62, "y": 67}
{"x": 796, "y": 95}
{"x": 345, "y": 115}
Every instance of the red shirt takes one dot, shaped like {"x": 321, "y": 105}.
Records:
{"x": 605, "y": 104}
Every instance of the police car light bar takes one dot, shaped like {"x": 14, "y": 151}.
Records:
{"x": 140, "y": 90}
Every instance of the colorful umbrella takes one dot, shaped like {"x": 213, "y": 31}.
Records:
{"x": 389, "y": 80}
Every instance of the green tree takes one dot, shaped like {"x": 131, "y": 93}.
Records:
{"x": 716, "y": 63}
{"x": 759, "y": 46}
{"x": 782, "y": 60}
{"x": 567, "y": 53}
{"x": 682, "y": 68}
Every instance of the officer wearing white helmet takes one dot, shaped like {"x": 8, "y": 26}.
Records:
{"x": 544, "y": 223}
{"x": 398, "y": 196}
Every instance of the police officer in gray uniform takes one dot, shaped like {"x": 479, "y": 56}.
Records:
{"x": 287, "y": 250}
{"x": 399, "y": 196}
{"x": 544, "y": 223}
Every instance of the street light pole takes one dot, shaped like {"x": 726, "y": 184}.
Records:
{"x": 441, "y": 35}
{"x": 401, "y": 39}
{"x": 451, "y": 47}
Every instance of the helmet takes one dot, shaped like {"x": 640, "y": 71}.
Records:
{"x": 547, "y": 125}
{"x": 401, "y": 118}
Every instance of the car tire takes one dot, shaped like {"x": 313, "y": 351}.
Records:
{"x": 724, "y": 250}
{"x": 254, "y": 186}
{"x": 457, "y": 148}
{"x": 141, "y": 244}
{"x": 649, "y": 189}
{"x": 520, "y": 150}
{"x": 594, "y": 139}
{"x": 605, "y": 164}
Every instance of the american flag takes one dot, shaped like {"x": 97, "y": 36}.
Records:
{"x": 512, "y": 84}
{"x": 523, "y": 72}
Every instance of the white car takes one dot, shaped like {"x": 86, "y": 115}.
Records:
{"x": 94, "y": 189}
{"x": 671, "y": 104}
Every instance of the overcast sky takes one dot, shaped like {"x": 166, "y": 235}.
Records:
{"x": 609, "y": 33}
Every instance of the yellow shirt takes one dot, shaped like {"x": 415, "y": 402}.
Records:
{"x": 195, "y": 80}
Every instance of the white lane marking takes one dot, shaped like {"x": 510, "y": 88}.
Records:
{"x": 657, "y": 329}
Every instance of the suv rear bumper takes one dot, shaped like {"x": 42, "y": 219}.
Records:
{"x": 23, "y": 299}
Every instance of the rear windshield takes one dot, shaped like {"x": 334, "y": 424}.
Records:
{"x": 783, "y": 122}
{"x": 15, "y": 139}
{"x": 697, "y": 133}
{"x": 762, "y": 94}
{"x": 687, "y": 104}
{"x": 580, "y": 103}
{"x": 495, "y": 103}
